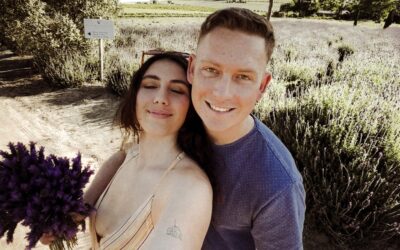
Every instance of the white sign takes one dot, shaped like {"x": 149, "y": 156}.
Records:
{"x": 98, "y": 29}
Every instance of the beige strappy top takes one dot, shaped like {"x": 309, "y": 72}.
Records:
{"x": 135, "y": 230}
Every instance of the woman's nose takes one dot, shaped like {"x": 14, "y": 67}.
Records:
{"x": 161, "y": 97}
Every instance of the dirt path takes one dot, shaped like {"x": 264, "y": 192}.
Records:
{"x": 63, "y": 121}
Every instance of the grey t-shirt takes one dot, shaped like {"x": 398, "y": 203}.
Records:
{"x": 259, "y": 198}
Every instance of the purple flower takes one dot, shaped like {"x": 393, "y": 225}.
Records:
{"x": 41, "y": 192}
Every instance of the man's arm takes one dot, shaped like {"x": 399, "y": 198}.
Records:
{"x": 103, "y": 177}
{"x": 279, "y": 224}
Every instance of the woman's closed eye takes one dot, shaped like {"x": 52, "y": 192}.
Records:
{"x": 149, "y": 85}
{"x": 180, "y": 90}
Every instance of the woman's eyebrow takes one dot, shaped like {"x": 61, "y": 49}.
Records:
{"x": 151, "y": 77}
{"x": 172, "y": 81}
{"x": 179, "y": 81}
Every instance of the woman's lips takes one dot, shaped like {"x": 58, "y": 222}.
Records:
{"x": 160, "y": 113}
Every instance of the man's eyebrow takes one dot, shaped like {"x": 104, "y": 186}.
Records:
{"x": 248, "y": 71}
{"x": 210, "y": 62}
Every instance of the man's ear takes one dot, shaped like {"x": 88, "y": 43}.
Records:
{"x": 264, "y": 83}
{"x": 190, "y": 69}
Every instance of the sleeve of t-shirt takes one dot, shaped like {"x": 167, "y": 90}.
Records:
{"x": 279, "y": 224}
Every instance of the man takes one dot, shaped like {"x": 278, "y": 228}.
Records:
{"x": 259, "y": 199}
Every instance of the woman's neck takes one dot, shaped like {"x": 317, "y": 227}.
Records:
{"x": 153, "y": 150}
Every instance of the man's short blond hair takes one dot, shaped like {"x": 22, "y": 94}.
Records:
{"x": 240, "y": 19}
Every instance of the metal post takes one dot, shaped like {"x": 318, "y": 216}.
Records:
{"x": 101, "y": 60}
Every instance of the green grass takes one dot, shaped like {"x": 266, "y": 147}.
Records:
{"x": 163, "y": 14}
{"x": 257, "y": 6}
{"x": 186, "y": 8}
{"x": 163, "y": 10}
{"x": 179, "y": 7}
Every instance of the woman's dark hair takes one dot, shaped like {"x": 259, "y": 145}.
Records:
{"x": 192, "y": 136}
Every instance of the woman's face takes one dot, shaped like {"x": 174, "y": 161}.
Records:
{"x": 163, "y": 98}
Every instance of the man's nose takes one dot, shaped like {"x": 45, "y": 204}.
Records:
{"x": 223, "y": 86}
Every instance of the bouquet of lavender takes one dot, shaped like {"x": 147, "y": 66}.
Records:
{"x": 42, "y": 193}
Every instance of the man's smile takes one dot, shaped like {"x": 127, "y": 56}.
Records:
{"x": 218, "y": 109}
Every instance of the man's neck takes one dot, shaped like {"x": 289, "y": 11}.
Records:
{"x": 232, "y": 134}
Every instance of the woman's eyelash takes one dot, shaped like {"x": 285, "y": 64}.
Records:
{"x": 149, "y": 87}
{"x": 178, "y": 91}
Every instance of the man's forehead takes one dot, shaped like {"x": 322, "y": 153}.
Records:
{"x": 227, "y": 42}
{"x": 246, "y": 52}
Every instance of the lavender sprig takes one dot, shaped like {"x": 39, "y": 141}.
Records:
{"x": 42, "y": 193}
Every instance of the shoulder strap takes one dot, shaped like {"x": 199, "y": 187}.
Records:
{"x": 180, "y": 156}
{"x": 129, "y": 156}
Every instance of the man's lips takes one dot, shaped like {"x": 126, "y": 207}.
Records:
{"x": 219, "y": 108}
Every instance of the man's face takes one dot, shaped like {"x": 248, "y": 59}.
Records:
{"x": 228, "y": 77}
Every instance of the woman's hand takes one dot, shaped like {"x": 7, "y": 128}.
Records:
{"x": 48, "y": 238}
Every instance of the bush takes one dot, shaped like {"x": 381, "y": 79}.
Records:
{"x": 12, "y": 14}
{"x": 307, "y": 8}
{"x": 119, "y": 71}
{"x": 338, "y": 138}
{"x": 293, "y": 72}
{"x": 344, "y": 52}
{"x": 278, "y": 14}
{"x": 64, "y": 70}
{"x": 41, "y": 35}
{"x": 46, "y": 29}
{"x": 35, "y": 25}
{"x": 286, "y": 7}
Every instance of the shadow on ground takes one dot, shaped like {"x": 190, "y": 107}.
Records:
{"x": 95, "y": 102}
{"x": 17, "y": 76}
{"x": 14, "y": 67}
{"x": 19, "y": 79}
{"x": 28, "y": 86}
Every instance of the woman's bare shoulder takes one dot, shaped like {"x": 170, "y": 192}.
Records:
{"x": 188, "y": 181}
{"x": 190, "y": 173}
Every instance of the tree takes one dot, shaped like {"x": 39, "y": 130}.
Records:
{"x": 306, "y": 7}
{"x": 271, "y": 2}
{"x": 375, "y": 10}
{"x": 393, "y": 16}
{"x": 30, "y": 26}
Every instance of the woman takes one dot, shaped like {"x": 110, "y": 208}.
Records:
{"x": 159, "y": 195}
{"x": 159, "y": 198}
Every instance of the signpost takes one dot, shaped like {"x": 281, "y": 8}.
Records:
{"x": 99, "y": 29}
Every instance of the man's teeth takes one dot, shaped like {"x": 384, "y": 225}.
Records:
{"x": 219, "y": 109}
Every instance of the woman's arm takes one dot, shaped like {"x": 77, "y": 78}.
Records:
{"x": 96, "y": 187}
{"x": 103, "y": 177}
{"x": 185, "y": 214}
